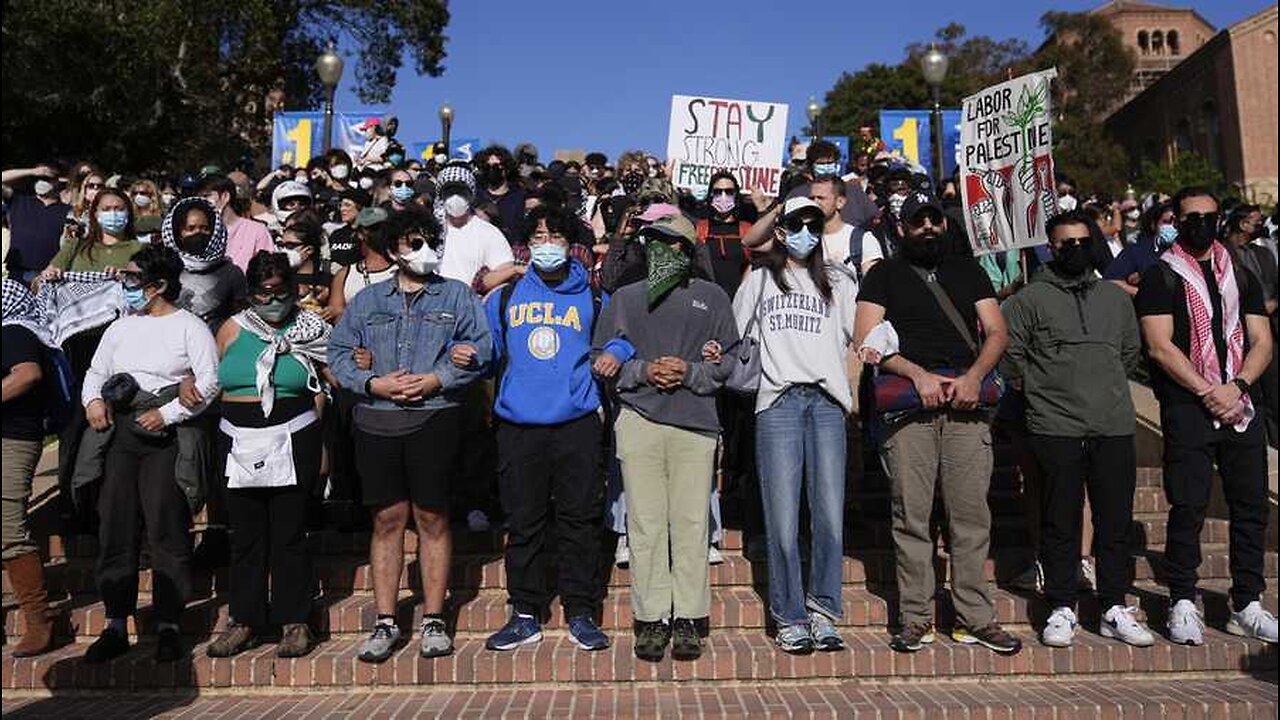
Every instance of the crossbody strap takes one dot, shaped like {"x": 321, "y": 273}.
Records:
{"x": 948, "y": 307}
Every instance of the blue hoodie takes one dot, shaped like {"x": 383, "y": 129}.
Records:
{"x": 547, "y": 379}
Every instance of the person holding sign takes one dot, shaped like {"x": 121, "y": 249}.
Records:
{"x": 935, "y": 302}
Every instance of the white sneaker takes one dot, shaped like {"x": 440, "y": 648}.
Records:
{"x": 1253, "y": 622}
{"x": 622, "y": 555}
{"x": 1186, "y": 627}
{"x": 1060, "y": 630}
{"x": 1120, "y": 622}
{"x": 477, "y": 521}
{"x": 713, "y": 556}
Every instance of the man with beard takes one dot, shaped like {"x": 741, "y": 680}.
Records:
{"x": 1207, "y": 336}
{"x": 497, "y": 174}
{"x": 935, "y": 302}
{"x": 407, "y": 425}
{"x": 1073, "y": 340}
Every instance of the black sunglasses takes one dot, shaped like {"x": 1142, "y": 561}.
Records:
{"x": 724, "y": 191}
{"x": 797, "y": 223}
{"x": 402, "y": 183}
{"x": 1069, "y": 241}
{"x": 933, "y": 216}
{"x": 1206, "y": 218}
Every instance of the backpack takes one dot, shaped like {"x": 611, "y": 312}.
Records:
{"x": 703, "y": 229}
{"x": 60, "y": 389}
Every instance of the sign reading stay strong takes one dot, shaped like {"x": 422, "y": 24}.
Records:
{"x": 745, "y": 137}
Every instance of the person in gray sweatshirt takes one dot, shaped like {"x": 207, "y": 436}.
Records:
{"x": 666, "y": 434}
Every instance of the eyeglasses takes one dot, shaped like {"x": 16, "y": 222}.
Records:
{"x": 401, "y": 183}
{"x": 290, "y": 245}
{"x": 796, "y": 224}
{"x": 131, "y": 280}
{"x": 93, "y": 186}
{"x": 265, "y": 295}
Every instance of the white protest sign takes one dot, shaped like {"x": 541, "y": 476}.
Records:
{"x": 1006, "y": 163}
{"x": 745, "y": 137}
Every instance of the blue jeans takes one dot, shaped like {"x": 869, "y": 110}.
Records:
{"x": 803, "y": 432}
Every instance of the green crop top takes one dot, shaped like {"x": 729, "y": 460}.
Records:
{"x": 237, "y": 376}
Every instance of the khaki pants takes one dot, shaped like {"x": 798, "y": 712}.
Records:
{"x": 666, "y": 472}
{"x": 954, "y": 449}
{"x": 18, "y": 459}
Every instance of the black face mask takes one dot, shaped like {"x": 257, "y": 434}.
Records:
{"x": 631, "y": 181}
{"x": 925, "y": 251}
{"x": 1197, "y": 233}
{"x": 1072, "y": 261}
{"x": 194, "y": 244}
{"x": 494, "y": 176}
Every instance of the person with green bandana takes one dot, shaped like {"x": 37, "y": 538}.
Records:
{"x": 666, "y": 433}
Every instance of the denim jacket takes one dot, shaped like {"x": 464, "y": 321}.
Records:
{"x": 443, "y": 314}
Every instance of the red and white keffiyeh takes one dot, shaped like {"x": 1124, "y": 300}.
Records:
{"x": 1203, "y": 355}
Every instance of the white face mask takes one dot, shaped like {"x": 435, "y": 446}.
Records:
{"x": 295, "y": 257}
{"x": 420, "y": 262}
{"x": 43, "y": 187}
{"x": 1067, "y": 203}
{"x": 282, "y": 216}
{"x": 142, "y": 201}
{"x": 169, "y": 198}
{"x": 366, "y": 183}
{"x": 456, "y": 206}
{"x": 339, "y": 172}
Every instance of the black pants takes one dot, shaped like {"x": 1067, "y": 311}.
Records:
{"x": 138, "y": 478}
{"x": 476, "y": 487}
{"x": 79, "y": 349}
{"x": 339, "y": 439}
{"x": 542, "y": 466}
{"x": 737, "y": 415}
{"x": 1108, "y": 467}
{"x": 1191, "y": 447}
{"x": 269, "y": 525}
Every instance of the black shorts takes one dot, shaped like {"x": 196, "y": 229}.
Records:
{"x": 415, "y": 467}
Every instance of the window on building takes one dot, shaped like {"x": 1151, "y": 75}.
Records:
{"x": 1157, "y": 43}
{"x": 1212, "y": 126}
{"x": 1144, "y": 45}
{"x": 1171, "y": 39}
{"x": 1182, "y": 141}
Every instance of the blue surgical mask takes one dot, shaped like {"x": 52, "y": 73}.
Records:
{"x": 113, "y": 222}
{"x": 1167, "y": 237}
{"x": 826, "y": 168}
{"x": 801, "y": 244}
{"x": 136, "y": 298}
{"x": 548, "y": 257}
{"x": 403, "y": 194}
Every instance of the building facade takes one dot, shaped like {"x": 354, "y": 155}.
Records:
{"x": 1160, "y": 37}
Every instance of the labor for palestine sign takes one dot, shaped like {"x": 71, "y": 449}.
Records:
{"x": 745, "y": 137}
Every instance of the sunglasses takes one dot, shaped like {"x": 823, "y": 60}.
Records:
{"x": 288, "y": 245}
{"x": 724, "y": 191}
{"x": 132, "y": 280}
{"x": 1069, "y": 241}
{"x": 265, "y": 295}
{"x": 414, "y": 241}
{"x": 795, "y": 225}
{"x": 93, "y": 186}
{"x": 402, "y": 183}
{"x": 933, "y": 216}
{"x": 1205, "y": 218}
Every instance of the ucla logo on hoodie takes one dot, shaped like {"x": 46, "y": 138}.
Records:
{"x": 544, "y": 341}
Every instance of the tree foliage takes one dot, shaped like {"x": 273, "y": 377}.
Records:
{"x": 174, "y": 83}
{"x": 1189, "y": 168}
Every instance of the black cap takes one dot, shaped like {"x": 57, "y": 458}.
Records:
{"x": 916, "y": 202}
{"x": 357, "y": 196}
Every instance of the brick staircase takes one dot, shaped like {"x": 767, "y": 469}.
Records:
{"x": 1226, "y": 675}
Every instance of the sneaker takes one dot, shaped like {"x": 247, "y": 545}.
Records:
{"x": 295, "y": 641}
{"x": 520, "y": 630}
{"x": 1121, "y": 623}
{"x": 795, "y": 639}
{"x": 587, "y": 634}
{"x": 912, "y": 637}
{"x": 169, "y": 645}
{"x": 435, "y": 640}
{"x": 685, "y": 643}
{"x": 1186, "y": 627}
{"x": 384, "y": 640}
{"x": 824, "y": 633}
{"x": 478, "y": 521}
{"x": 652, "y": 639}
{"x": 1253, "y": 622}
{"x": 110, "y": 644}
{"x": 1060, "y": 630}
{"x": 713, "y": 556}
{"x": 992, "y": 637}
{"x": 622, "y": 555}
{"x": 234, "y": 640}
{"x": 1088, "y": 579}
{"x": 1030, "y": 580}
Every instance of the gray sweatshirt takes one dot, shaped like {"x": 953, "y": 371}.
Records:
{"x": 683, "y": 322}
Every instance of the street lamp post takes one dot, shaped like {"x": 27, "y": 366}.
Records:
{"x": 814, "y": 111}
{"x": 934, "y": 66}
{"x": 329, "y": 68}
{"x": 446, "y": 124}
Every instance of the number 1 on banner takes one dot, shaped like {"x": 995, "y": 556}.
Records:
{"x": 301, "y": 137}
{"x": 909, "y": 133}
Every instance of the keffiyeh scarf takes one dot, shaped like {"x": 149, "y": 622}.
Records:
{"x": 307, "y": 340}
{"x": 214, "y": 253}
{"x": 1200, "y": 309}
{"x": 75, "y": 302}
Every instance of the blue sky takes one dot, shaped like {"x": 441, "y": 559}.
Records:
{"x": 600, "y": 75}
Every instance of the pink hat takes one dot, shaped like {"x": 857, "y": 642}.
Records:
{"x": 658, "y": 210}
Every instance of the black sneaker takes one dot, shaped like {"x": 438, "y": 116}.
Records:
{"x": 912, "y": 637}
{"x": 110, "y": 644}
{"x": 651, "y": 640}
{"x": 992, "y": 637}
{"x": 685, "y": 642}
{"x": 168, "y": 646}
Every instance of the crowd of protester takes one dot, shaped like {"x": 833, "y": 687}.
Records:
{"x": 559, "y": 349}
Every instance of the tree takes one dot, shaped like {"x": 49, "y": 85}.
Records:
{"x": 1188, "y": 169}
{"x": 168, "y": 84}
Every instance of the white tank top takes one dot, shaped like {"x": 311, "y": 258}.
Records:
{"x": 358, "y": 279}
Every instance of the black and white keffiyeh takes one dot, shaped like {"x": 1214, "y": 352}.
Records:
{"x": 214, "y": 253}
{"x": 307, "y": 340}
{"x": 70, "y": 304}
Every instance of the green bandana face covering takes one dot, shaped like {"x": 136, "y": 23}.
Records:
{"x": 668, "y": 267}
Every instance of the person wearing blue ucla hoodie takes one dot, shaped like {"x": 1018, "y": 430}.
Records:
{"x": 549, "y": 431}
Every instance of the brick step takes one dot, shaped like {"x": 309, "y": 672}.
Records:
{"x": 743, "y": 655}
{"x": 346, "y": 573}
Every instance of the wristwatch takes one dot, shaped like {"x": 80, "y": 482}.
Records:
{"x": 1242, "y": 384}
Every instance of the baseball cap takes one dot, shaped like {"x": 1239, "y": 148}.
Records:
{"x": 655, "y": 188}
{"x": 796, "y": 204}
{"x": 371, "y": 216}
{"x": 916, "y": 202}
{"x": 357, "y": 196}
{"x": 675, "y": 226}
{"x": 658, "y": 210}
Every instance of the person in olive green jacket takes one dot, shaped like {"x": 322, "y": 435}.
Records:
{"x": 1073, "y": 340}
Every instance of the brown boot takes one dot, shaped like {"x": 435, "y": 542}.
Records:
{"x": 26, "y": 574}
{"x": 296, "y": 641}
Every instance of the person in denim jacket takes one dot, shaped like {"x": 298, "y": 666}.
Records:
{"x": 406, "y": 425}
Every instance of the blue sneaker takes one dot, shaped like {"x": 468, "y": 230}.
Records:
{"x": 519, "y": 630}
{"x": 587, "y": 634}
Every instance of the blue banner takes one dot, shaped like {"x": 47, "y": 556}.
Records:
{"x": 298, "y": 135}
{"x": 459, "y": 149}
{"x": 909, "y": 135}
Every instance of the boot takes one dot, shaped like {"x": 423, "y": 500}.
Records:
{"x": 26, "y": 574}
